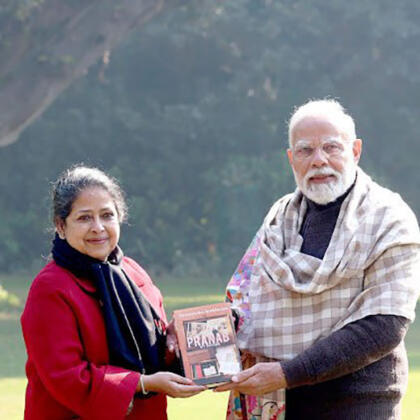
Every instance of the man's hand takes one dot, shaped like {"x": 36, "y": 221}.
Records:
{"x": 171, "y": 384}
{"x": 257, "y": 380}
{"x": 172, "y": 347}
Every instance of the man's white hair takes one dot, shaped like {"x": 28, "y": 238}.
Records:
{"x": 328, "y": 108}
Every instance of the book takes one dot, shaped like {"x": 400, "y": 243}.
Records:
{"x": 207, "y": 342}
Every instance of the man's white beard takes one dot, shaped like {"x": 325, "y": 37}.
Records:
{"x": 330, "y": 191}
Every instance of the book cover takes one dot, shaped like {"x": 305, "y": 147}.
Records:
{"x": 207, "y": 343}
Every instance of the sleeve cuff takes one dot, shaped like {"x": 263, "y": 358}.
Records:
{"x": 117, "y": 391}
{"x": 295, "y": 372}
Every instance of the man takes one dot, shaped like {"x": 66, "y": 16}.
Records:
{"x": 326, "y": 291}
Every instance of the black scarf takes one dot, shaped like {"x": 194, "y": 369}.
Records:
{"x": 135, "y": 333}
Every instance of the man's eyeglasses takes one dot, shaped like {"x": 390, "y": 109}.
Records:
{"x": 330, "y": 149}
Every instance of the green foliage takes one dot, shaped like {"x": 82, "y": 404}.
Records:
{"x": 18, "y": 11}
{"x": 8, "y": 301}
{"x": 24, "y": 8}
{"x": 190, "y": 116}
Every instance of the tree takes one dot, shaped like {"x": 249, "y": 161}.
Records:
{"x": 190, "y": 115}
{"x": 46, "y": 44}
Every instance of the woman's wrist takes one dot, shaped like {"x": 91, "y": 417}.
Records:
{"x": 140, "y": 383}
{"x": 143, "y": 388}
{"x": 146, "y": 384}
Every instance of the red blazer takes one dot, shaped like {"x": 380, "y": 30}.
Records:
{"x": 68, "y": 370}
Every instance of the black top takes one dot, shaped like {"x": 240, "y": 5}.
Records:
{"x": 318, "y": 226}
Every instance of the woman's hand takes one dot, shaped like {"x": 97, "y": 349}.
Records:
{"x": 257, "y": 380}
{"x": 169, "y": 383}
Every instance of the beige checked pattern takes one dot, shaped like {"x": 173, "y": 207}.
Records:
{"x": 372, "y": 266}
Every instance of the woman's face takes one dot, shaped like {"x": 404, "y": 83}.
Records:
{"x": 92, "y": 227}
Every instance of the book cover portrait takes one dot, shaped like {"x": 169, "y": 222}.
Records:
{"x": 207, "y": 342}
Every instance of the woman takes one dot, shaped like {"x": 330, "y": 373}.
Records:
{"x": 94, "y": 324}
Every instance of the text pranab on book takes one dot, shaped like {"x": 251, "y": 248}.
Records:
{"x": 207, "y": 342}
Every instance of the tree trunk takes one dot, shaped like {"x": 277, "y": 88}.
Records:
{"x": 42, "y": 54}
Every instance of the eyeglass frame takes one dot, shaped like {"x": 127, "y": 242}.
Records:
{"x": 333, "y": 141}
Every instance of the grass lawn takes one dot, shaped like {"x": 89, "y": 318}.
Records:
{"x": 178, "y": 294}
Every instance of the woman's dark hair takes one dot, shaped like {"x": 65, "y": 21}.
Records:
{"x": 78, "y": 178}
